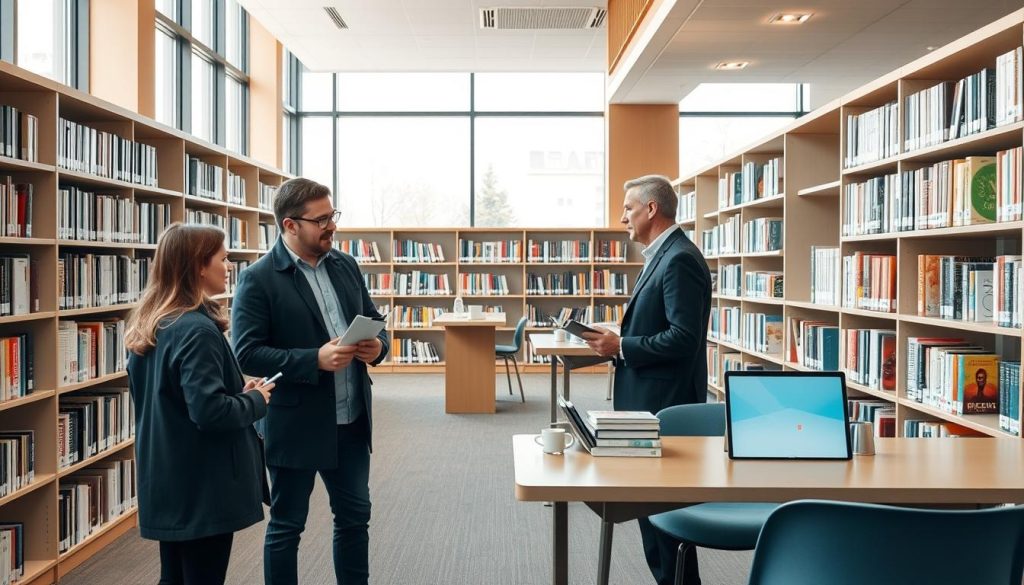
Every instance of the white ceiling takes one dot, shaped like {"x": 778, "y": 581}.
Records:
{"x": 844, "y": 45}
{"x": 425, "y": 35}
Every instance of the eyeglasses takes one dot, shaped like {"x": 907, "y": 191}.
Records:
{"x": 324, "y": 221}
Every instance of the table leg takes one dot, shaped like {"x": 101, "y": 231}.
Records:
{"x": 565, "y": 380}
{"x": 560, "y": 544}
{"x": 604, "y": 560}
{"x": 554, "y": 389}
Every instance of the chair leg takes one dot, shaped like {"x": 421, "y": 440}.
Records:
{"x": 515, "y": 364}
{"x": 508, "y": 375}
{"x": 681, "y": 562}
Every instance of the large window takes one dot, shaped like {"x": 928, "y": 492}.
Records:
{"x": 52, "y": 39}
{"x": 717, "y": 119}
{"x": 202, "y": 80}
{"x": 456, "y": 149}
{"x": 290, "y": 71}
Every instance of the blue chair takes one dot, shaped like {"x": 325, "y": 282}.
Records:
{"x": 814, "y": 541}
{"x": 509, "y": 353}
{"x": 717, "y": 525}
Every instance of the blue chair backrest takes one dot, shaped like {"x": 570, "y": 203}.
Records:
{"x": 517, "y": 339}
{"x": 813, "y": 541}
{"x": 693, "y": 420}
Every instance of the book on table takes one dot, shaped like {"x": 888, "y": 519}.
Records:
{"x": 619, "y": 443}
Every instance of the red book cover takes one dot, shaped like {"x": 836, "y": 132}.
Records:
{"x": 889, "y": 362}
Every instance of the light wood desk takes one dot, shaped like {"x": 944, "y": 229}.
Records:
{"x": 572, "y": 355}
{"x": 696, "y": 469}
{"x": 470, "y": 362}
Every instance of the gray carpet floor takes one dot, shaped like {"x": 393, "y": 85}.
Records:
{"x": 444, "y": 509}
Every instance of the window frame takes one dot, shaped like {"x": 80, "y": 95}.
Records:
{"x": 74, "y": 41}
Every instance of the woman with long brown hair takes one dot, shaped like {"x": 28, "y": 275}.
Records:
{"x": 200, "y": 464}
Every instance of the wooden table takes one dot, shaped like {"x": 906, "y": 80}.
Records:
{"x": 696, "y": 469}
{"x": 470, "y": 362}
{"x": 572, "y": 355}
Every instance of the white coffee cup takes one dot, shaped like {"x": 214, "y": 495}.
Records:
{"x": 476, "y": 311}
{"x": 561, "y": 335}
{"x": 554, "y": 441}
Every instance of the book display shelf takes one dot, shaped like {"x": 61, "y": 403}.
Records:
{"x": 95, "y": 184}
{"x": 539, "y": 273}
{"x": 898, "y": 253}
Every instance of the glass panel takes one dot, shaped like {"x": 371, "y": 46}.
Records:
{"x": 317, "y": 93}
{"x": 202, "y": 21}
{"x": 286, "y": 79}
{"x": 403, "y": 172}
{"x": 168, "y": 8}
{"x": 703, "y": 141}
{"x": 167, "y": 68}
{"x": 41, "y": 37}
{"x": 539, "y": 92}
{"x": 540, "y": 172}
{"x": 741, "y": 97}
{"x": 202, "y": 98}
{"x": 234, "y": 40}
{"x": 318, "y": 150}
{"x": 403, "y": 92}
{"x": 234, "y": 112}
{"x": 286, "y": 143}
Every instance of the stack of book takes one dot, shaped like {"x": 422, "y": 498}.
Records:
{"x": 623, "y": 433}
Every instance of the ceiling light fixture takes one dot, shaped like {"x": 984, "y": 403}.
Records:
{"x": 732, "y": 65}
{"x": 790, "y": 18}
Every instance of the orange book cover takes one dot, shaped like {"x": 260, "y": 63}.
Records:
{"x": 978, "y": 384}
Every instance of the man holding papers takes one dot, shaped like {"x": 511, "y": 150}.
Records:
{"x": 290, "y": 310}
{"x": 661, "y": 354}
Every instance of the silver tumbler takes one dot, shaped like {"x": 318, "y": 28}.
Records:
{"x": 862, "y": 437}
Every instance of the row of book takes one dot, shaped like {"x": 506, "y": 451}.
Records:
{"x": 361, "y": 250}
{"x": 92, "y": 498}
{"x": 608, "y": 282}
{"x": 19, "y": 290}
{"x": 755, "y": 180}
{"x": 414, "y": 317}
{"x": 17, "y": 460}
{"x": 100, "y": 280}
{"x": 1009, "y": 397}
{"x": 813, "y": 344}
{"x": 418, "y": 282}
{"x": 982, "y": 289}
{"x": 15, "y": 209}
{"x": 413, "y": 251}
{"x": 91, "y": 422}
{"x": 200, "y": 217}
{"x": 87, "y": 216}
{"x": 712, "y": 365}
{"x": 265, "y": 196}
{"x": 203, "y": 179}
{"x": 87, "y": 150}
{"x": 762, "y": 235}
{"x": 268, "y": 235}
{"x": 501, "y": 251}
{"x": 825, "y": 276}
{"x": 762, "y": 332}
{"x": 151, "y": 219}
{"x": 17, "y": 366}
{"x": 235, "y": 267}
{"x": 541, "y": 317}
{"x": 880, "y": 413}
{"x": 872, "y": 136}
{"x": 478, "y": 283}
{"x": 565, "y": 283}
{"x": 236, "y": 189}
{"x": 622, "y": 433}
{"x": 89, "y": 349}
{"x": 869, "y": 282}
{"x": 19, "y": 134}
{"x": 869, "y": 357}
{"x": 724, "y": 238}
{"x": 763, "y": 284}
{"x": 238, "y": 233}
{"x": 953, "y": 375}
{"x": 686, "y": 208}
{"x": 414, "y": 351}
{"x": 730, "y": 279}
{"x": 934, "y": 429}
{"x": 610, "y": 251}
{"x": 557, "y": 251}
{"x": 12, "y": 552}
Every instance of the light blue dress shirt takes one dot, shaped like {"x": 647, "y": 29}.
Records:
{"x": 348, "y": 403}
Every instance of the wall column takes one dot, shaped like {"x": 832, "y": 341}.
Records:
{"x": 265, "y": 95}
{"x": 643, "y": 139}
{"x": 122, "y": 53}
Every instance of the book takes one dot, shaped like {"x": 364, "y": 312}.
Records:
{"x": 977, "y": 386}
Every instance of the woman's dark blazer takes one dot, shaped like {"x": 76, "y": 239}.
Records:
{"x": 200, "y": 464}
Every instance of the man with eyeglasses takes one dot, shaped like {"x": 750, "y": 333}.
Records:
{"x": 289, "y": 309}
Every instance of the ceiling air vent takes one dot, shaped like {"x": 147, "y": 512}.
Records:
{"x": 528, "y": 18}
{"x": 335, "y": 16}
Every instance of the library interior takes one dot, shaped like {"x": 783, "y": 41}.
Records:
{"x": 523, "y": 292}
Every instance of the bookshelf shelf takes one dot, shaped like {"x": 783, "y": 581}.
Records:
{"x": 798, "y": 367}
{"x": 41, "y": 480}
{"x": 984, "y": 230}
{"x": 400, "y": 265}
{"x": 14, "y": 164}
{"x": 963, "y": 325}
{"x": 772, "y": 254}
{"x": 871, "y": 314}
{"x": 95, "y": 310}
{"x": 91, "y": 244}
{"x": 688, "y": 222}
{"x": 722, "y": 297}
{"x": 61, "y": 390}
{"x": 875, "y": 168}
{"x": 829, "y": 189}
{"x": 775, "y": 359}
{"x": 10, "y": 241}
{"x": 983, "y": 423}
{"x": 35, "y": 396}
{"x": 204, "y": 202}
{"x": 579, "y": 263}
{"x": 128, "y": 517}
{"x": 711, "y": 215}
{"x": 812, "y": 306}
{"x": 96, "y": 458}
{"x": 883, "y": 394}
{"x": 764, "y": 300}
{"x": 775, "y": 201}
{"x": 30, "y": 317}
{"x": 988, "y": 141}
{"x": 34, "y": 569}
{"x": 886, "y": 237}
{"x": 614, "y": 264}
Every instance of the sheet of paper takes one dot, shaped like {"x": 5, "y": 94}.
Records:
{"x": 360, "y": 329}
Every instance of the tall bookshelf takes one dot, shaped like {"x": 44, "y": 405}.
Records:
{"x": 515, "y": 272}
{"x": 36, "y": 504}
{"x": 815, "y": 187}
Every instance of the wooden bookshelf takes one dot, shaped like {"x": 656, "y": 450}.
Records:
{"x": 813, "y": 149}
{"x": 36, "y": 504}
{"x": 516, "y": 302}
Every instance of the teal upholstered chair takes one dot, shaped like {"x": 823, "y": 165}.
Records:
{"x": 812, "y": 541}
{"x": 718, "y": 525}
{"x": 509, "y": 352}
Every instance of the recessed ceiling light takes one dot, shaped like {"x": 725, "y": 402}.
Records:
{"x": 789, "y": 18}
{"x": 930, "y": 48}
{"x": 732, "y": 65}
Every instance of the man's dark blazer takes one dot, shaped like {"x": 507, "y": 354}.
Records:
{"x": 200, "y": 466}
{"x": 276, "y": 326}
{"x": 664, "y": 331}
